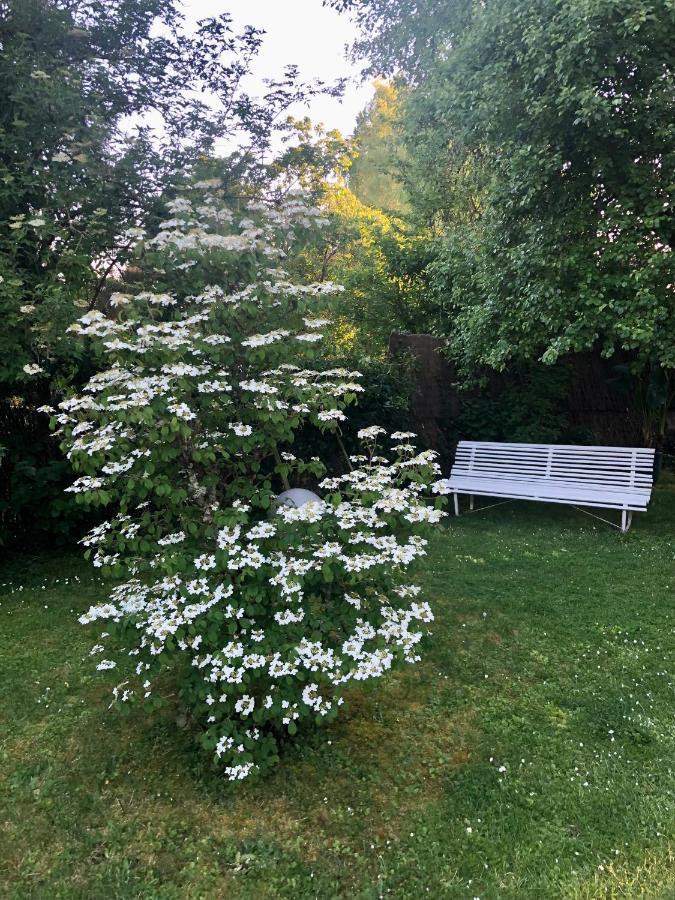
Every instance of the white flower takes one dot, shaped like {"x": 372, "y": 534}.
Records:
{"x": 260, "y": 340}
{"x": 181, "y": 411}
{"x": 289, "y": 616}
{"x": 238, "y": 773}
{"x": 86, "y": 483}
{"x": 262, "y": 530}
{"x": 258, "y": 387}
{"x": 213, "y": 387}
{"x": 227, "y": 537}
{"x": 245, "y": 705}
{"x": 117, "y": 299}
{"x": 370, "y": 433}
{"x": 331, "y": 415}
{"x": 441, "y": 487}
{"x": 224, "y": 744}
{"x": 242, "y": 430}
{"x": 32, "y": 369}
{"x": 175, "y": 538}
{"x": 313, "y": 511}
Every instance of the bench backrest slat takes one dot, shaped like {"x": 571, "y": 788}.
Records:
{"x": 629, "y": 467}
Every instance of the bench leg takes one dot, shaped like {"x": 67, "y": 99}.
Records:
{"x": 471, "y": 501}
{"x": 456, "y": 503}
{"x": 626, "y": 519}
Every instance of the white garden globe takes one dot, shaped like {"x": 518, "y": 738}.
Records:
{"x": 297, "y": 497}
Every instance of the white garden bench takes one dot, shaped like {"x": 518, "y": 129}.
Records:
{"x": 606, "y": 477}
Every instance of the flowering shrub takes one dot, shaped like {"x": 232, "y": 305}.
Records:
{"x": 264, "y": 613}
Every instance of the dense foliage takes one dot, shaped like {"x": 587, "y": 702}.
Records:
{"x": 102, "y": 104}
{"x": 528, "y": 406}
{"x": 378, "y": 259}
{"x": 509, "y": 188}
{"x": 263, "y": 613}
{"x": 540, "y": 146}
{"x": 400, "y": 37}
{"x": 374, "y": 175}
{"x": 568, "y": 110}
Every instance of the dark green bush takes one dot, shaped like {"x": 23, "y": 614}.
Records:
{"x": 529, "y": 407}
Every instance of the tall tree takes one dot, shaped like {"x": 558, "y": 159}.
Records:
{"x": 375, "y": 176}
{"x": 570, "y": 106}
{"x": 80, "y": 165}
{"x": 405, "y": 37}
{"x": 543, "y": 139}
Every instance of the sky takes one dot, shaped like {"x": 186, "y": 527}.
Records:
{"x": 302, "y": 33}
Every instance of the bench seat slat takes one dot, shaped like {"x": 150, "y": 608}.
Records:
{"x": 514, "y": 475}
{"x": 558, "y": 447}
{"x": 567, "y": 471}
{"x": 556, "y": 466}
{"x": 600, "y": 471}
{"x": 578, "y": 462}
{"x": 519, "y": 451}
{"x": 546, "y": 490}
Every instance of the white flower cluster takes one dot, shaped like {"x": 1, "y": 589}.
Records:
{"x": 276, "y": 609}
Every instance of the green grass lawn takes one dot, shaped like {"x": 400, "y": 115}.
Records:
{"x": 532, "y": 754}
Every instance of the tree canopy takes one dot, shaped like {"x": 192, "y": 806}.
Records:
{"x": 375, "y": 173}
{"x": 104, "y": 105}
{"x": 541, "y": 141}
